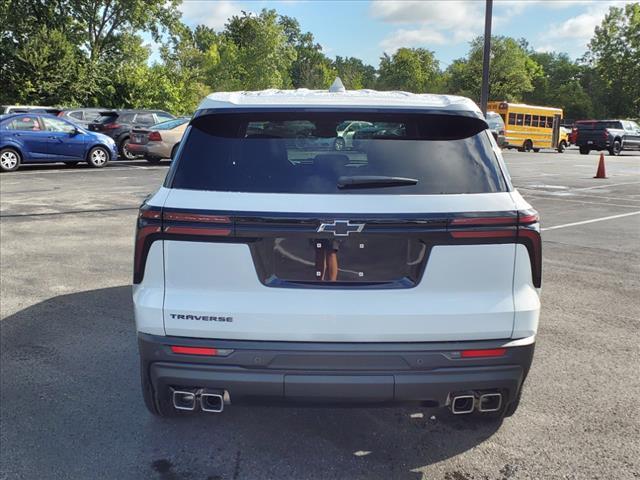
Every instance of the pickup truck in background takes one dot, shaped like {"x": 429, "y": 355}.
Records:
{"x": 611, "y": 135}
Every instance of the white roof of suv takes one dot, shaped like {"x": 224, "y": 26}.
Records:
{"x": 337, "y": 96}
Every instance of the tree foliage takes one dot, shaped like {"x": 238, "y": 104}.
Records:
{"x": 410, "y": 69}
{"x": 511, "y": 75}
{"x": 614, "y": 56}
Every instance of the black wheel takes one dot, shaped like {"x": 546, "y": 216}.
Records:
{"x": 562, "y": 146}
{"x": 527, "y": 146}
{"x": 9, "y": 159}
{"x": 584, "y": 150}
{"x": 71, "y": 164}
{"x": 98, "y": 157}
{"x": 124, "y": 150}
{"x": 339, "y": 144}
{"x": 536, "y": 150}
{"x": 616, "y": 148}
{"x": 154, "y": 160}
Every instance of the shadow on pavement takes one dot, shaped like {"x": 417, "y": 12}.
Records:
{"x": 71, "y": 407}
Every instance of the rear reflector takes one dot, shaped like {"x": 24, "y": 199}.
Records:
{"x": 194, "y": 350}
{"x": 493, "y": 352}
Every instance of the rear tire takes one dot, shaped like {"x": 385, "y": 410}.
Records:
{"x": 536, "y": 150}
{"x": 124, "y": 150}
{"x": 562, "y": 146}
{"x": 9, "y": 160}
{"x": 156, "y": 407}
{"x": 584, "y": 150}
{"x": 527, "y": 146}
{"x": 98, "y": 157}
{"x": 616, "y": 148}
{"x": 153, "y": 160}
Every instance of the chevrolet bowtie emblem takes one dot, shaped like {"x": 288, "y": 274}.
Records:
{"x": 341, "y": 228}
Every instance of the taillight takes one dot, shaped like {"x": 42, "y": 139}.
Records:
{"x": 155, "y": 137}
{"x": 485, "y": 353}
{"x": 207, "y": 351}
{"x": 154, "y": 223}
{"x": 111, "y": 126}
{"x": 520, "y": 227}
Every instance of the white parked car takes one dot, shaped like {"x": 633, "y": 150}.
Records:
{"x": 407, "y": 271}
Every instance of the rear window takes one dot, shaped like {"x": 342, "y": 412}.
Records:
{"x": 106, "y": 118}
{"x": 314, "y": 153}
{"x": 171, "y": 124}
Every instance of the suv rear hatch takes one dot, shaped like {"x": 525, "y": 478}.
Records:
{"x": 410, "y": 236}
{"x": 106, "y": 121}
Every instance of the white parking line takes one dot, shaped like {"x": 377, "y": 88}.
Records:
{"x": 601, "y": 219}
{"x": 607, "y": 185}
{"x": 86, "y": 170}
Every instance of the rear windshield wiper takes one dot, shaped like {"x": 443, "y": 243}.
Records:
{"x": 373, "y": 181}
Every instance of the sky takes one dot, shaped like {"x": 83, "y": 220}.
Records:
{"x": 367, "y": 28}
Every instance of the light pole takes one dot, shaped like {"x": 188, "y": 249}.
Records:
{"x": 486, "y": 57}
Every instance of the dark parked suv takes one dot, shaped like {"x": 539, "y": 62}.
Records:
{"x": 611, "y": 135}
{"x": 118, "y": 124}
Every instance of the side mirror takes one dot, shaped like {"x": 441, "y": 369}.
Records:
{"x": 75, "y": 131}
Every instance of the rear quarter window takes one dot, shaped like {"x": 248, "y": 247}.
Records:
{"x": 275, "y": 153}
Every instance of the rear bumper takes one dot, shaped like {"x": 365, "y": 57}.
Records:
{"x": 380, "y": 373}
{"x": 159, "y": 149}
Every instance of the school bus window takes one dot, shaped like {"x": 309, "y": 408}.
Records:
{"x": 527, "y": 120}
{"x": 519, "y": 119}
{"x": 535, "y": 120}
{"x": 512, "y": 119}
{"x": 543, "y": 122}
{"x": 549, "y": 122}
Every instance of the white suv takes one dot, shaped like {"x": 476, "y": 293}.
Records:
{"x": 404, "y": 270}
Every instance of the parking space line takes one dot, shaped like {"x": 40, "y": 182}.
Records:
{"x": 594, "y": 220}
{"x": 607, "y": 185}
{"x": 564, "y": 199}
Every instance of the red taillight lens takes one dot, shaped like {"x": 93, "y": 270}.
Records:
{"x": 194, "y": 350}
{"x": 492, "y": 352}
{"x": 155, "y": 137}
{"x": 154, "y": 224}
{"x": 523, "y": 228}
{"x": 111, "y": 126}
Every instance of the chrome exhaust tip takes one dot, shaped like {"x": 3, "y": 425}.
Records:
{"x": 490, "y": 402}
{"x": 462, "y": 404}
{"x": 211, "y": 402}
{"x": 184, "y": 400}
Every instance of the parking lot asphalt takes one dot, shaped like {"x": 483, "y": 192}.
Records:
{"x": 70, "y": 402}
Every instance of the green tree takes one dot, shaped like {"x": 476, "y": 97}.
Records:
{"x": 46, "y": 69}
{"x": 410, "y": 69}
{"x": 310, "y": 68}
{"x": 253, "y": 53}
{"x": 511, "y": 73}
{"x": 614, "y": 54}
{"x": 354, "y": 73}
{"x": 560, "y": 85}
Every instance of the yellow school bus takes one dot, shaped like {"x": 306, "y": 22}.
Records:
{"x": 528, "y": 127}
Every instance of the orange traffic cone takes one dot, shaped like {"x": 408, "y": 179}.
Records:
{"x": 601, "y": 173}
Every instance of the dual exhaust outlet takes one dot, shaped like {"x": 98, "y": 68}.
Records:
{"x": 464, "y": 403}
{"x": 210, "y": 401}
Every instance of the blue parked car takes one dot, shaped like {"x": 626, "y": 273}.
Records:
{"x": 43, "y": 138}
